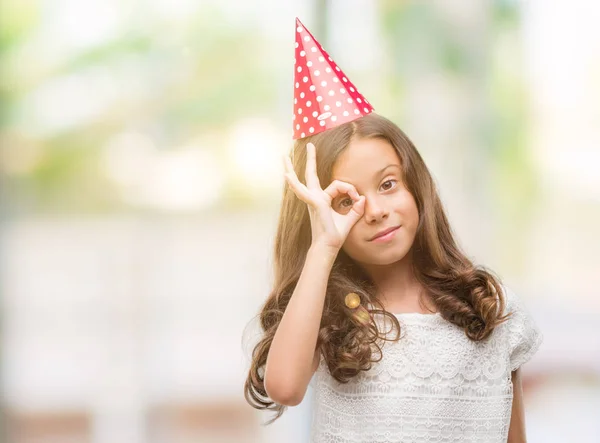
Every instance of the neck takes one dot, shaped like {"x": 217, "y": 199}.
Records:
{"x": 397, "y": 286}
{"x": 396, "y": 280}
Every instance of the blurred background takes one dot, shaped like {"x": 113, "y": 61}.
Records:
{"x": 140, "y": 183}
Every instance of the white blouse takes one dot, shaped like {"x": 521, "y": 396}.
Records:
{"x": 433, "y": 385}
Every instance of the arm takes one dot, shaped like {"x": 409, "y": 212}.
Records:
{"x": 292, "y": 355}
{"x": 516, "y": 432}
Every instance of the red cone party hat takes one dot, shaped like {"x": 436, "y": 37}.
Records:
{"x": 323, "y": 96}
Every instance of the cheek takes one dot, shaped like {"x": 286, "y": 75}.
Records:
{"x": 354, "y": 241}
{"x": 407, "y": 205}
{"x": 353, "y": 236}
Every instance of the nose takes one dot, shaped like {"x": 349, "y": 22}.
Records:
{"x": 374, "y": 210}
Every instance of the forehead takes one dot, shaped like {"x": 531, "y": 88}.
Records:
{"x": 363, "y": 159}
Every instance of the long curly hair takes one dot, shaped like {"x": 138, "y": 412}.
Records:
{"x": 464, "y": 294}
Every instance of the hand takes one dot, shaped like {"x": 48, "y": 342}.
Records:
{"x": 327, "y": 226}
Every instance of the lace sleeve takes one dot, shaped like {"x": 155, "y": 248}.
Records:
{"x": 524, "y": 335}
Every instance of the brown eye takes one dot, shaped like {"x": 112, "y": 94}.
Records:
{"x": 346, "y": 202}
{"x": 388, "y": 181}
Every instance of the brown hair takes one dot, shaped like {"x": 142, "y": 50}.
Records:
{"x": 466, "y": 295}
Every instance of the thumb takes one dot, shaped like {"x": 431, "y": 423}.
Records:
{"x": 358, "y": 208}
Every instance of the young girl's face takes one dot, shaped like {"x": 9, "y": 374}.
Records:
{"x": 373, "y": 167}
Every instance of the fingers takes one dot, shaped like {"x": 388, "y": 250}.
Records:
{"x": 355, "y": 213}
{"x": 292, "y": 179}
{"x": 307, "y": 193}
{"x": 312, "y": 179}
{"x": 338, "y": 187}
{"x": 358, "y": 208}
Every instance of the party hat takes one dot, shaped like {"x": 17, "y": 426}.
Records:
{"x": 324, "y": 97}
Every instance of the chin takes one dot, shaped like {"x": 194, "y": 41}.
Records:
{"x": 384, "y": 258}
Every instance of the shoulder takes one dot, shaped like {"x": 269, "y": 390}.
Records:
{"x": 523, "y": 335}
{"x": 512, "y": 301}
{"x": 514, "y": 306}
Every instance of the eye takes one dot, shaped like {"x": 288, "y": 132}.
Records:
{"x": 346, "y": 202}
{"x": 388, "y": 181}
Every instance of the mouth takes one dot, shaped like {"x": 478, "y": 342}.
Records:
{"x": 385, "y": 233}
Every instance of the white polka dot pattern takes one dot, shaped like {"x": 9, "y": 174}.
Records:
{"x": 320, "y": 84}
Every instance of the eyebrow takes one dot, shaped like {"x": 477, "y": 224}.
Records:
{"x": 381, "y": 171}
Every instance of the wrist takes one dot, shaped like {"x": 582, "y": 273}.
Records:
{"x": 324, "y": 251}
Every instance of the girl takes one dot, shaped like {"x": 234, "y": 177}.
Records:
{"x": 401, "y": 336}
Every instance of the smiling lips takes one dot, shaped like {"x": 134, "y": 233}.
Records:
{"x": 384, "y": 232}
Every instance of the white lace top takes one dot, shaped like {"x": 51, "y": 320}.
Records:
{"x": 433, "y": 385}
